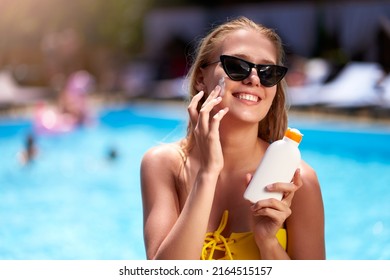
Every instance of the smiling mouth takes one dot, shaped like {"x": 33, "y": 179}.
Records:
{"x": 247, "y": 97}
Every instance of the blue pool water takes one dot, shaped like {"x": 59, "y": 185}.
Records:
{"x": 74, "y": 203}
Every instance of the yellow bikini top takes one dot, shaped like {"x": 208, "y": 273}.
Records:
{"x": 238, "y": 246}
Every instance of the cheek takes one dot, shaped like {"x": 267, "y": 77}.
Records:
{"x": 270, "y": 94}
{"x": 212, "y": 78}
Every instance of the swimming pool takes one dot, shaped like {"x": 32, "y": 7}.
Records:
{"x": 74, "y": 202}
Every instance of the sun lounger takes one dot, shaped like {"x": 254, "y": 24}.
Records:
{"x": 11, "y": 93}
{"x": 355, "y": 86}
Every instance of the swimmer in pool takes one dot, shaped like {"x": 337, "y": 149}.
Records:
{"x": 30, "y": 150}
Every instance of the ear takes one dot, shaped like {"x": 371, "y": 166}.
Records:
{"x": 199, "y": 82}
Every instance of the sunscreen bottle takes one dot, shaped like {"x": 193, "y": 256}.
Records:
{"x": 278, "y": 165}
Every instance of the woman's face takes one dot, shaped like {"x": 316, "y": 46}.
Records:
{"x": 248, "y": 100}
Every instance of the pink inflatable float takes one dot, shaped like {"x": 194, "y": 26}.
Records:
{"x": 72, "y": 109}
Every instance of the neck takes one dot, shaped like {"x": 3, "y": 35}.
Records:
{"x": 240, "y": 144}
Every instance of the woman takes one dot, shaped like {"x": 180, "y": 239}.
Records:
{"x": 193, "y": 190}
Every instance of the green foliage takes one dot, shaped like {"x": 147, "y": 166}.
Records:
{"x": 113, "y": 23}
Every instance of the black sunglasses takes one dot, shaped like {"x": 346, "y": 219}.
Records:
{"x": 239, "y": 69}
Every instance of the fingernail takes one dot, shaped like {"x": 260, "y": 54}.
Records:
{"x": 270, "y": 187}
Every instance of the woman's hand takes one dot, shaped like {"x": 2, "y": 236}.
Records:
{"x": 206, "y": 129}
{"x": 270, "y": 214}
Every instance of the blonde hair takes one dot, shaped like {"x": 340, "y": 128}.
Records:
{"x": 273, "y": 126}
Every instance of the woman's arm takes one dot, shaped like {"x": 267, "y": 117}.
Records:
{"x": 170, "y": 233}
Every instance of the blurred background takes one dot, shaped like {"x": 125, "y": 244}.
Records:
{"x": 141, "y": 48}
{"x": 86, "y": 87}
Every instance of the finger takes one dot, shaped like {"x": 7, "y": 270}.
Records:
{"x": 294, "y": 185}
{"x": 192, "y": 108}
{"x": 297, "y": 180}
{"x": 281, "y": 187}
{"x": 213, "y": 95}
{"x": 216, "y": 120}
{"x": 209, "y": 104}
{"x": 274, "y": 204}
{"x": 274, "y": 214}
{"x": 287, "y": 198}
{"x": 266, "y": 203}
{"x": 203, "y": 117}
{"x": 248, "y": 178}
{"x": 204, "y": 113}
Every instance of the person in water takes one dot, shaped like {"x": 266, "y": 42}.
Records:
{"x": 30, "y": 151}
{"x": 192, "y": 190}
{"x": 73, "y": 100}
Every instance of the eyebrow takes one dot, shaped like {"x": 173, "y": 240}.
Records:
{"x": 246, "y": 57}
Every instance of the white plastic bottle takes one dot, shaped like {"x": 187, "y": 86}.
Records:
{"x": 278, "y": 165}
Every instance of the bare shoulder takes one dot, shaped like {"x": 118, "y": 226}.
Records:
{"x": 159, "y": 171}
{"x": 163, "y": 153}
{"x": 306, "y": 223}
{"x": 164, "y": 156}
{"x": 309, "y": 196}
{"x": 309, "y": 177}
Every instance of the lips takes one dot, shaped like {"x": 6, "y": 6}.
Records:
{"x": 247, "y": 97}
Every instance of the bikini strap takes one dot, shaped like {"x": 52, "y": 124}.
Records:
{"x": 216, "y": 241}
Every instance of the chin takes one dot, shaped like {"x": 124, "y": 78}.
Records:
{"x": 247, "y": 117}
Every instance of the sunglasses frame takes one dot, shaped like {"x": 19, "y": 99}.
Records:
{"x": 259, "y": 68}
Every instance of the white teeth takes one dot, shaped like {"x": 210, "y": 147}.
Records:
{"x": 248, "y": 97}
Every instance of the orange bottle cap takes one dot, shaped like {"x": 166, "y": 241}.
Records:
{"x": 294, "y": 134}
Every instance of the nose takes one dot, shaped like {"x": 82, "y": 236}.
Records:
{"x": 253, "y": 78}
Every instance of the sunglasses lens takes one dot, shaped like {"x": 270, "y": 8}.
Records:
{"x": 236, "y": 69}
{"x": 270, "y": 75}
